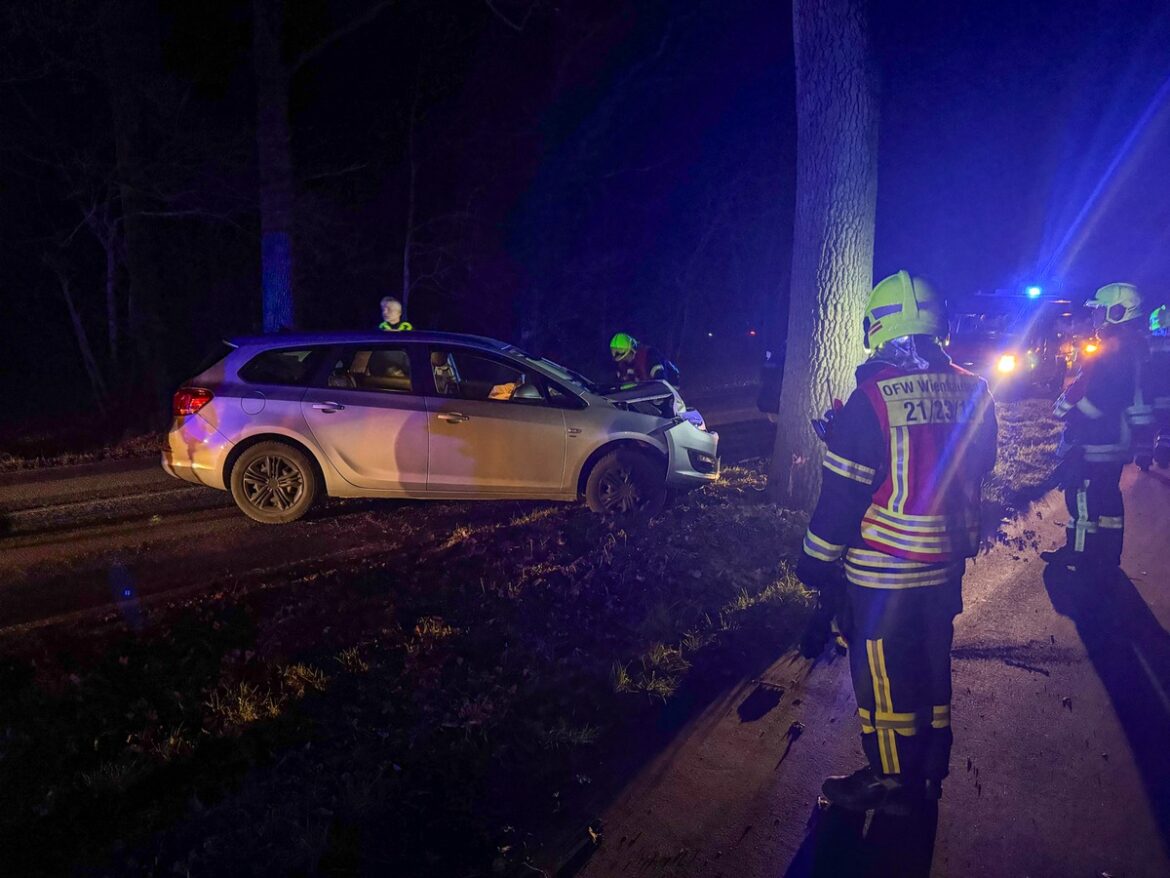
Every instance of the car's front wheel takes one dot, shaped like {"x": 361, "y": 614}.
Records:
{"x": 274, "y": 483}
{"x": 626, "y": 483}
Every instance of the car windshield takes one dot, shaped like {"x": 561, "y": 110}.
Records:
{"x": 563, "y": 373}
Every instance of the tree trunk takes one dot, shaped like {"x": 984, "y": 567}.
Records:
{"x": 87, "y": 358}
{"x": 411, "y": 207}
{"x": 832, "y": 259}
{"x": 274, "y": 155}
{"x": 130, "y": 41}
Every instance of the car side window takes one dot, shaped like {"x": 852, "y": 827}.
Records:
{"x": 466, "y": 375}
{"x": 384, "y": 369}
{"x": 287, "y": 367}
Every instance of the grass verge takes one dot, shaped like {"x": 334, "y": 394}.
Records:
{"x": 421, "y": 716}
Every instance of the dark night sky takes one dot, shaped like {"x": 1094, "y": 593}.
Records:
{"x": 999, "y": 122}
{"x": 588, "y": 173}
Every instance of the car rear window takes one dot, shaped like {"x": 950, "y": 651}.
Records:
{"x": 292, "y": 367}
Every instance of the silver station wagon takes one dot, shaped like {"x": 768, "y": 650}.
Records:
{"x": 282, "y": 420}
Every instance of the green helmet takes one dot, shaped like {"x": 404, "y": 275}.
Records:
{"x": 902, "y": 305}
{"x": 622, "y": 346}
{"x": 1122, "y": 302}
{"x": 1160, "y": 321}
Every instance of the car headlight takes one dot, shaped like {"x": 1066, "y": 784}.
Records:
{"x": 1006, "y": 363}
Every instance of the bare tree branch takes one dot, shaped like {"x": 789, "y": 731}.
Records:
{"x": 516, "y": 26}
{"x": 344, "y": 31}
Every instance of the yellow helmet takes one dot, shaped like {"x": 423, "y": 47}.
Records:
{"x": 1122, "y": 302}
{"x": 902, "y": 305}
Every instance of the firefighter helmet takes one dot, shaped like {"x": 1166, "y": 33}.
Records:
{"x": 1122, "y": 302}
{"x": 622, "y": 346}
{"x": 902, "y": 305}
{"x": 1160, "y": 321}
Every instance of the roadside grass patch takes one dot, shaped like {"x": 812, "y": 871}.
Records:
{"x": 427, "y": 711}
{"x": 1028, "y": 438}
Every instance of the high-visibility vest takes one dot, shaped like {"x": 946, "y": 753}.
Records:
{"x": 401, "y": 326}
{"x": 926, "y": 506}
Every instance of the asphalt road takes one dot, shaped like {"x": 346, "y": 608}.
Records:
{"x": 1061, "y": 765}
{"x": 76, "y": 539}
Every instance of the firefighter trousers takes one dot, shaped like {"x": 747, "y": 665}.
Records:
{"x": 1096, "y": 526}
{"x": 900, "y": 661}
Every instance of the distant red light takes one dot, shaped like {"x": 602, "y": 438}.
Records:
{"x": 751, "y": 332}
{"x": 189, "y": 400}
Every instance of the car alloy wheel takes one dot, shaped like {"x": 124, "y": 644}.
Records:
{"x": 273, "y": 484}
{"x": 627, "y": 484}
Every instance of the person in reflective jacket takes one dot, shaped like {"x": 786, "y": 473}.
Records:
{"x": 1159, "y": 383}
{"x": 1101, "y": 409}
{"x": 900, "y": 504}
{"x": 634, "y": 361}
{"x": 392, "y": 316}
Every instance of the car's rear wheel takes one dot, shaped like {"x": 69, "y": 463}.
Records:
{"x": 626, "y": 483}
{"x": 274, "y": 483}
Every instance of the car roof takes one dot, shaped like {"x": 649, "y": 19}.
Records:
{"x": 293, "y": 339}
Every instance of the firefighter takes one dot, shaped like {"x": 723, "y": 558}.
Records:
{"x": 899, "y": 503}
{"x": 1100, "y": 409}
{"x": 638, "y": 362}
{"x": 392, "y": 316}
{"x": 1159, "y": 383}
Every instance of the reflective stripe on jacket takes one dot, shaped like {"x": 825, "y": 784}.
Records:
{"x": 900, "y": 493}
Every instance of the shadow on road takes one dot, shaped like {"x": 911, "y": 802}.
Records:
{"x": 844, "y": 844}
{"x": 1130, "y": 651}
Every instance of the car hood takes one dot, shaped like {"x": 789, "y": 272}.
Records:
{"x": 655, "y": 398}
{"x": 643, "y": 391}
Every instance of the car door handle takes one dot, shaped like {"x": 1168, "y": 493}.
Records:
{"x": 328, "y": 406}
{"x": 453, "y": 417}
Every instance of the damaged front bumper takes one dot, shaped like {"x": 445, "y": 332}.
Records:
{"x": 692, "y": 454}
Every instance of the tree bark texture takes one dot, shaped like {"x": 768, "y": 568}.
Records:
{"x": 411, "y": 206}
{"x": 832, "y": 259}
{"x": 274, "y": 155}
{"x": 130, "y": 41}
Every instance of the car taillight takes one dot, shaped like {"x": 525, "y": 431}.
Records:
{"x": 189, "y": 400}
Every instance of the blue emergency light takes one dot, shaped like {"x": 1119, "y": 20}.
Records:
{"x": 1034, "y": 292}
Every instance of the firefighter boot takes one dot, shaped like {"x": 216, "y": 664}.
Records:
{"x": 866, "y": 790}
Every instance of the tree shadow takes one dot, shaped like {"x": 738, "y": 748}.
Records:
{"x": 845, "y": 844}
{"x": 1130, "y": 650}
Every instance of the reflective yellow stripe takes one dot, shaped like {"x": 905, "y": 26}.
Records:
{"x": 1082, "y": 525}
{"x": 889, "y": 733}
{"x": 899, "y": 466}
{"x": 820, "y": 549}
{"x": 896, "y": 581}
{"x": 874, "y": 558}
{"x": 867, "y": 726}
{"x": 923, "y": 524}
{"x": 940, "y": 716}
{"x": 871, "y": 654}
{"x": 922, "y": 545}
{"x": 1088, "y": 409}
{"x": 842, "y": 466}
{"x": 887, "y": 745}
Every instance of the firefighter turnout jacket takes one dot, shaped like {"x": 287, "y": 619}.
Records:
{"x": 646, "y": 365}
{"x": 900, "y": 502}
{"x": 1107, "y": 401}
{"x": 906, "y": 458}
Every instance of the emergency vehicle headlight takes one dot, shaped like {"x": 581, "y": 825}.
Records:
{"x": 1006, "y": 363}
